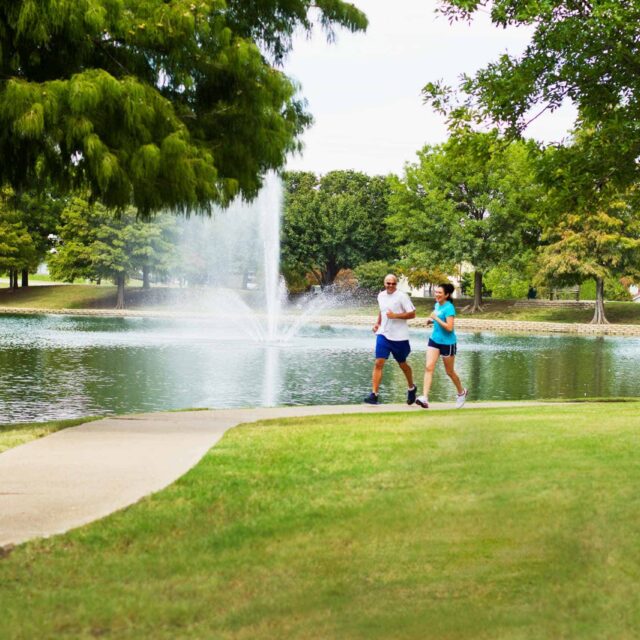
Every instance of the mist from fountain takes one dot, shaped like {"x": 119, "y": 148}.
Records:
{"x": 231, "y": 263}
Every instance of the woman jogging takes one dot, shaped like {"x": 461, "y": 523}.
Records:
{"x": 443, "y": 342}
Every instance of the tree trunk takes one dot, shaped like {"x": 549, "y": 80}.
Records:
{"x": 25, "y": 277}
{"x": 120, "y": 298}
{"x": 598, "y": 316}
{"x": 477, "y": 294}
{"x": 13, "y": 279}
{"x": 329, "y": 274}
{"x": 145, "y": 278}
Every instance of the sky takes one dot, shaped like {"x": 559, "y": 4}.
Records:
{"x": 364, "y": 89}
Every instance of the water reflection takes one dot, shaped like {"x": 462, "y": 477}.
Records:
{"x": 57, "y": 366}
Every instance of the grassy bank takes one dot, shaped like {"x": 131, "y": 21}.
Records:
{"x": 72, "y": 296}
{"x": 616, "y": 312}
{"x": 12, "y": 435}
{"x": 502, "y": 523}
{"x": 75, "y": 296}
{"x": 104, "y": 297}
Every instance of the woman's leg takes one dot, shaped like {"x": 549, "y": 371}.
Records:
{"x": 449, "y": 364}
{"x": 432, "y": 359}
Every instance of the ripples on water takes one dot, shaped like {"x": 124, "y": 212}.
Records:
{"x": 62, "y": 366}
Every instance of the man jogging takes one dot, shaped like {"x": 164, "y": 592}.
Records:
{"x": 392, "y": 336}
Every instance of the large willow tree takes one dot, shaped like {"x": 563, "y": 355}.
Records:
{"x": 156, "y": 103}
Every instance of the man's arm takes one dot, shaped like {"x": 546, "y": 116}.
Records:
{"x": 376, "y": 326}
{"x": 406, "y": 315}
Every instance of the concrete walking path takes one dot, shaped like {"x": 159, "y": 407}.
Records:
{"x": 84, "y": 473}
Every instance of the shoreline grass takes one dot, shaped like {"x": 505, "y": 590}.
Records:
{"x": 501, "y": 523}
{"x": 79, "y": 296}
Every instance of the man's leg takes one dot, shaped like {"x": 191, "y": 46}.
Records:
{"x": 408, "y": 373}
{"x": 376, "y": 378}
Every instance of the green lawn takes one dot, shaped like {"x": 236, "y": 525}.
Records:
{"x": 502, "y": 523}
{"x": 71, "y": 296}
{"x": 616, "y": 312}
{"x": 12, "y": 435}
{"x": 80, "y": 296}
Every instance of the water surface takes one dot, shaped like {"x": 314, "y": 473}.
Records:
{"x": 65, "y": 366}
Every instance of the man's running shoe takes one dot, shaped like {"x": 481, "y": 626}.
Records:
{"x": 372, "y": 398}
{"x": 461, "y": 398}
{"x": 421, "y": 401}
{"x": 411, "y": 395}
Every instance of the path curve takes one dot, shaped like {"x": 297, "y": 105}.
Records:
{"x": 84, "y": 473}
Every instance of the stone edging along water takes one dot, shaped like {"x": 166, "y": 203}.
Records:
{"x": 521, "y": 326}
{"x": 463, "y": 324}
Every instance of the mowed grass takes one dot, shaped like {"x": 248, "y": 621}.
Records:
{"x": 13, "y": 435}
{"x": 88, "y": 296}
{"x": 500, "y": 523}
{"x": 616, "y": 312}
{"x": 72, "y": 296}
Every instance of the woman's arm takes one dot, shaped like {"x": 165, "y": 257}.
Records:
{"x": 446, "y": 324}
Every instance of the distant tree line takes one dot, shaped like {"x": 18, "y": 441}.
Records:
{"x": 110, "y": 115}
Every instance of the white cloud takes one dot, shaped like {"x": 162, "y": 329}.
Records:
{"x": 364, "y": 89}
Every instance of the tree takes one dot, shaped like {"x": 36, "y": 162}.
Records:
{"x": 370, "y": 275}
{"x": 33, "y": 218}
{"x": 159, "y": 103}
{"x": 96, "y": 244}
{"x": 592, "y": 228}
{"x": 582, "y": 51}
{"x": 472, "y": 199}
{"x": 40, "y": 213}
{"x": 421, "y": 276}
{"x": 334, "y": 222}
{"x": 18, "y": 249}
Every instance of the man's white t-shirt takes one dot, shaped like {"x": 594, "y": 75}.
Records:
{"x": 398, "y": 302}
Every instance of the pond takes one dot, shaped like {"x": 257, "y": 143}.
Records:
{"x": 55, "y": 367}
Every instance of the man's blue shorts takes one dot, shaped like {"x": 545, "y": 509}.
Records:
{"x": 399, "y": 348}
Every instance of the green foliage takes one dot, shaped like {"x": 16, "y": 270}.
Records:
{"x": 162, "y": 104}
{"x": 615, "y": 290}
{"x": 585, "y": 52}
{"x": 334, "y": 222}
{"x": 592, "y": 228}
{"x": 294, "y": 278}
{"x": 18, "y": 248}
{"x": 420, "y": 276}
{"x": 472, "y": 199}
{"x": 97, "y": 245}
{"x": 506, "y": 282}
{"x": 370, "y": 275}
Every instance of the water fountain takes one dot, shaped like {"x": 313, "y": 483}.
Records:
{"x": 237, "y": 276}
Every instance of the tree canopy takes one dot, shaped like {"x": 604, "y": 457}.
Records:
{"x": 591, "y": 228}
{"x": 18, "y": 247}
{"x": 334, "y": 222}
{"x": 37, "y": 216}
{"x": 472, "y": 199}
{"x": 158, "y": 103}
{"x": 95, "y": 244}
{"x": 584, "y": 52}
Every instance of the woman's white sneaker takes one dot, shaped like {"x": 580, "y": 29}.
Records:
{"x": 461, "y": 398}
{"x": 421, "y": 401}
